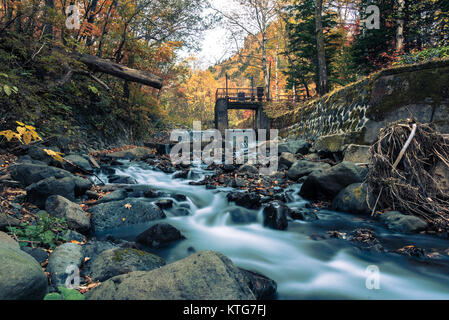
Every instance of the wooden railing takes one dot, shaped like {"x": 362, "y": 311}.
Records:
{"x": 254, "y": 95}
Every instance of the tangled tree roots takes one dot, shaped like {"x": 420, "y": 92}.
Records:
{"x": 404, "y": 159}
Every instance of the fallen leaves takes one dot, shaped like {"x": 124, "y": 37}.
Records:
{"x": 128, "y": 206}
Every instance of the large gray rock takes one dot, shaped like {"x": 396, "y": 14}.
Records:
{"x": 37, "y": 193}
{"x": 303, "y": 168}
{"x": 114, "y": 262}
{"x": 275, "y": 216}
{"x": 131, "y": 154}
{"x": 63, "y": 257}
{"x": 247, "y": 168}
{"x": 114, "y": 214}
{"x": 354, "y": 199}
{"x": 203, "y": 276}
{"x": 357, "y": 154}
{"x": 286, "y": 159}
{"x": 294, "y": 147}
{"x": 336, "y": 142}
{"x": 6, "y": 221}
{"x": 28, "y": 173}
{"x": 326, "y": 184}
{"x": 78, "y": 161}
{"x": 21, "y": 277}
{"x": 81, "y": 185}
{"x": 76, "y": 218}
{"x": 399, "y": 222}
{"x": 159, "y": 235}
{"x": 116, "y": 195}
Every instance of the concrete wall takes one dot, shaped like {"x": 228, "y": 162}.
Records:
{"x": 420, "y": 92}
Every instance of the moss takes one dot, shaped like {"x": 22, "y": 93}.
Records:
{"x": 358, "y": 193}
{"x": 409, "y": 88}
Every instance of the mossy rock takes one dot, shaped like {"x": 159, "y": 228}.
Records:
{"x": 114, "y": 262}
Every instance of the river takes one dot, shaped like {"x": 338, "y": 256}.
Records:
{"x": 302, "y": 267}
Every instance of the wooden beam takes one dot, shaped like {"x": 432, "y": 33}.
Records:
{"x": 117, "y": 70}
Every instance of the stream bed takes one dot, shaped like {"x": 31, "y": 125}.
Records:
{"x": 303, "y": 268}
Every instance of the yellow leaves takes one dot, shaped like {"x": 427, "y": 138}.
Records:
{"x": 25, "y": 134}
{"x": 8, "y": 134}
{"x": 55, "y": 155}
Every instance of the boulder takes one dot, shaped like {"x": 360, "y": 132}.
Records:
{"x": 28, "y": 173}
{"x": 294, "y": 147}
{"x": 61, "y": 260}
{"x": 116, "y": 195}
{"x": 249, "y": 200}
{"x": 38, "y": 254}
{"x": 159, "y": 235}
{"x": 164, "y": 203}
{"x": 122, "y": 180}
{"x": 399, "y": 222}
{"x": 303, "y": 168}
{"x": 131, "y": 154}
{"x": 247, "y": 168}
{"x": 326, "y": 184}
{"x": 21, "y": 276}
{"x": 335, "y": 143}
{"x": 115, "y": 214}
{"x": 354, "y": 199}
{"x": 202, "y": 276}
{"x": 287, "y": 159}
{"x": 357, "y": 154}
{"x": 275, "y": 216}
{"x": 75, "y": 216}
{"x": 71, "y": 235}
{"x": 37, "y": 193}
{"x": 78, "y": 161}
{"x": 263, "y": 287}
{"x": 114, "y": 262}
{"x": 81, "y": 185}
{"x": 38, "y": 153}
{"x": 6, "y": 221}
{"x": 238, "y": 183}
{"x": 303, "y": 214}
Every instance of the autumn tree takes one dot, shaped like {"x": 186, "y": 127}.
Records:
{"x": 251, "y": 19}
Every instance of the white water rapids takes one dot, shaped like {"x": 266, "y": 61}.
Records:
{"x": 303, "y": 268}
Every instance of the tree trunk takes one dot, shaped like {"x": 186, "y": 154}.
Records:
{"x": 90, "y": 39}
{"x": 96, "y": 64}
{"x": 323, "y": 86}
{"x": 103, "y": 33}
{"x": 48, "y": 28}
{"x": 400, "y": 27}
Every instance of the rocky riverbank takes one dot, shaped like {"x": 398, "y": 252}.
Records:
{"x": 55, "y": 212}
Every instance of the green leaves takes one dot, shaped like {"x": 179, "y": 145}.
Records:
{"x": 65, "y": 294}
{"x": 46, "y": 231}
{"x": 10, "y": 90}
{"x": 93, "y": 89}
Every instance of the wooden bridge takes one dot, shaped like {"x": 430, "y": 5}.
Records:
{"x": 246, "y": 99}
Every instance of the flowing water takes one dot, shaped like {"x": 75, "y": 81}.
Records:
{"x": 303, "y": 268}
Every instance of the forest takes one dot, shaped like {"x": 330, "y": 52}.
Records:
{"x": 102, "y": 199}
{"x": 280, "y": 45}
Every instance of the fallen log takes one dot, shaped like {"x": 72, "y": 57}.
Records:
{"x": 96, "y": 64}
{"x": 117, "y": 70}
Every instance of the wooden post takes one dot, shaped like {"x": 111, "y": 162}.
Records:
{"x": 227, "y": 77}
{"x": 252, "y": 89}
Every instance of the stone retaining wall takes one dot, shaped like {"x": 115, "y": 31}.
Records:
{"x": 419, "y": 91}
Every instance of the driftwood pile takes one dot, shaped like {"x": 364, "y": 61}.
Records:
{"x": 405, "y": 162}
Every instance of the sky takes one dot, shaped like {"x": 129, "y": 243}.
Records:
{"x": 214, "y": 47}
